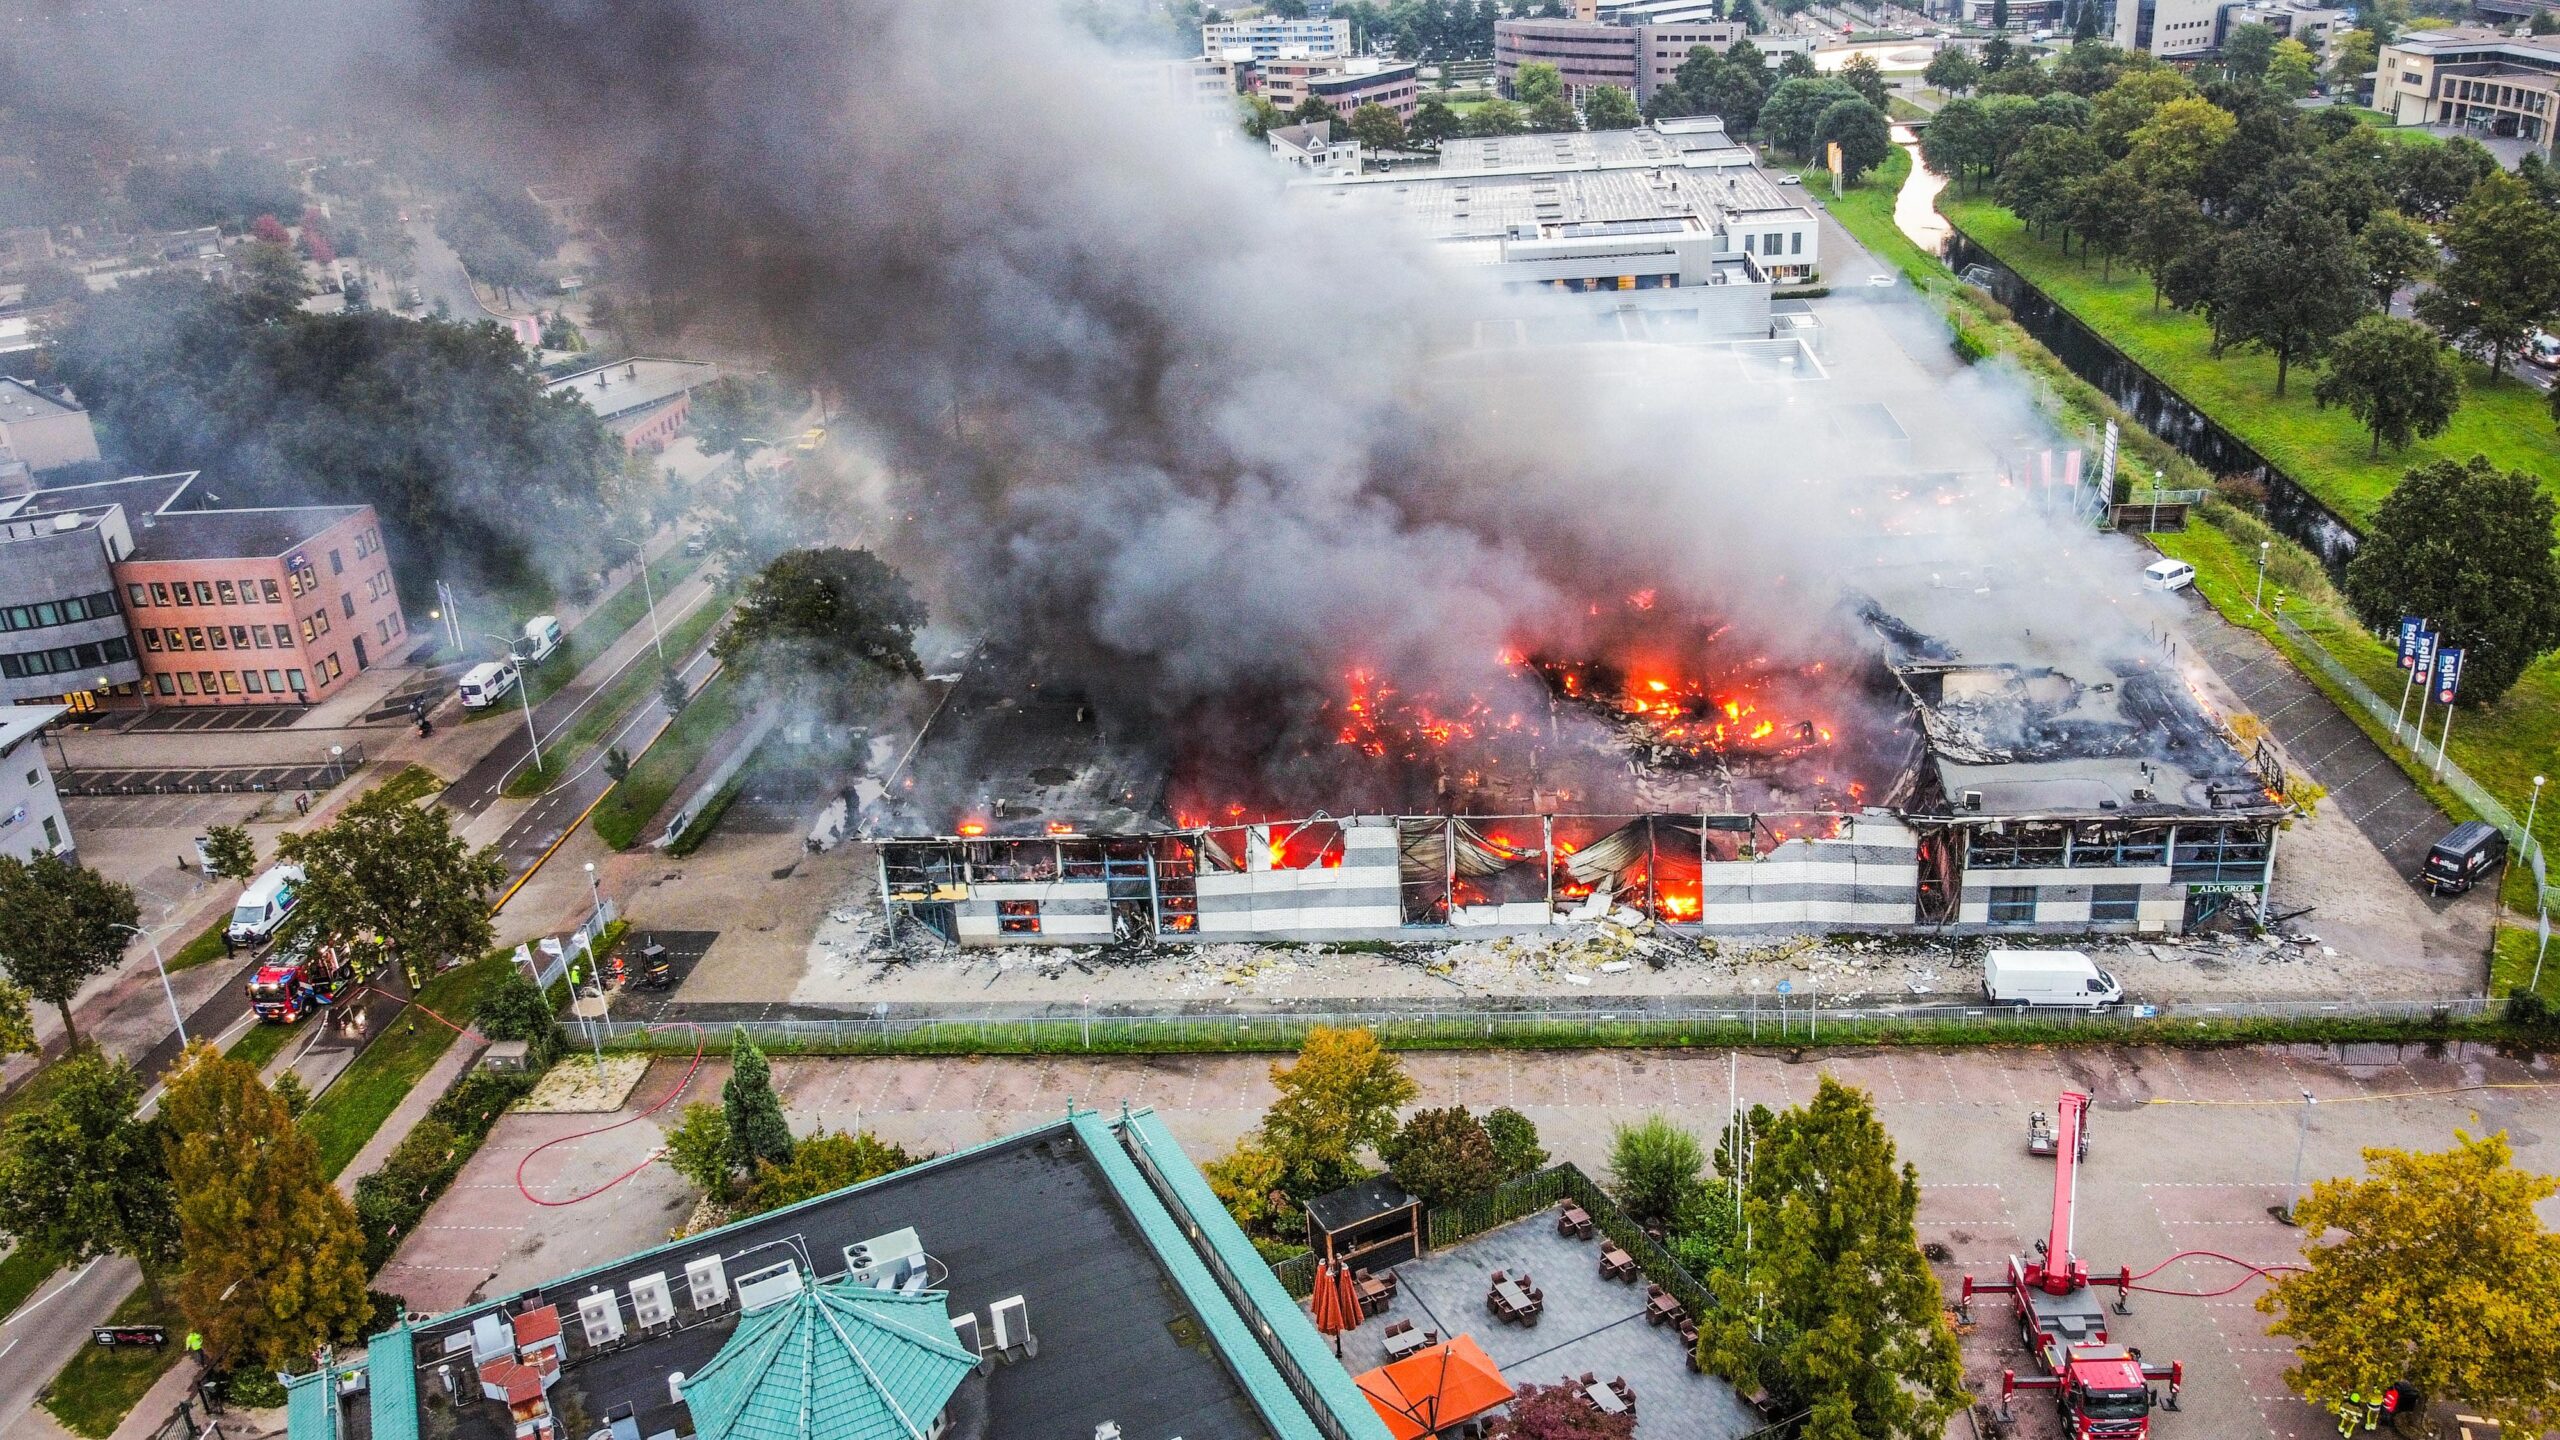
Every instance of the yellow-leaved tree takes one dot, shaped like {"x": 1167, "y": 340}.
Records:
{"x": 1338, "y": 1100}
{"x": 2433, "y": 1271}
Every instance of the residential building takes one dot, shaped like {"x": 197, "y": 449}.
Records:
{"x": 1076, "y": 1279}
{"x": 62, "y": 635}
{"x": 1312, "y": 150}
{"x": 45, "y": 429}
{"x": 1370, "y": 82}
{"x": 1638, "y": 53}
{"x": 31, "y": 818}
{"x": 1664, "y": 48}
{"x": 2191, "y": 29}
{"x": 644, "y": 401}
{"x": 1269, "y": 37}
{"x": 2472, "y": 78}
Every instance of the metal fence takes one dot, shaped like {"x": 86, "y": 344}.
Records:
{"x": 2387, "y": 715}
{"x": 1759, "y": 1019}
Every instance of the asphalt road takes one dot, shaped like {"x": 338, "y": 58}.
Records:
{"x": 440, "y": 275}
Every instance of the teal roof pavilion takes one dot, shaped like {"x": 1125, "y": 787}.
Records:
{"x": 836, "y": 1361}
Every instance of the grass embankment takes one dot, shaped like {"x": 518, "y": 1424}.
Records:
{"x": 612, "y": 704}
{"x": 630, "y": 805}
{"x": 102, "y": 1384}
{"x": 353, "y": 1107}
{"x": 594, "y": 634}
{"x": 263, "y": 1043}
{"x": 21, "y": 1273}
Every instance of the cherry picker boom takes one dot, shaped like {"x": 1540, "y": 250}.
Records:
{"x": 2103, "y": 1389}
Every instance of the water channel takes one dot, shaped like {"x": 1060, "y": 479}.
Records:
{"x": 2295, "y": 512}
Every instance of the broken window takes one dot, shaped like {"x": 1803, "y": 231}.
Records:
{"x": 1018, "y": 917}
{"x": 2020, "y": 845}
{"x": 2013, "y": 905}
{"x": 2102, "y": 844}
{"x": 2115, "y": 904}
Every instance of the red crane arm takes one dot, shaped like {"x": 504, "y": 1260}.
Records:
{"x": 2061, "y": 1267}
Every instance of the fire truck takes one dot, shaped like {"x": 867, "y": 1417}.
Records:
{"x": 301, "y": 978}
{"x": 2103, "y": 1389}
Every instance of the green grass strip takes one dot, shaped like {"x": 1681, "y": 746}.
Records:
{"x": 353, "y": 1107}
{"x": 612, "y": 704}
{"x": 21, "y": 1272}
{"x": 629, "y": 806}
{"x": 103, "y": 1383}
{"x": 596, "y": 633}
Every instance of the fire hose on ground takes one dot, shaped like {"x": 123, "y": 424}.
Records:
{"x": 699, "y": 1041}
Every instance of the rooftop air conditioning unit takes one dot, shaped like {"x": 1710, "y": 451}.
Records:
{"x": 884, "y": 1260}
{"x": 771, "y": 1285}
{"x": 1010, "y": 1318}
{"x": 1973, "y": 799}
{"x": 675, "y": 1387}
{"x": 964, "y": 1328}
{"x": 652, "y": 1304}
{"x": 708, "y": 1279}
{"x": 602, "y": 1317}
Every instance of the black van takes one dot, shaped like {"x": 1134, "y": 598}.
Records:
{"x": 2459, "y": 860}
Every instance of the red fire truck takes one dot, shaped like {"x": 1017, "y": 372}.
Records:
{"x": 301, "y": 978}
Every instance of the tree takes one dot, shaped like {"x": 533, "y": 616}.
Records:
{"x": 1606, "y": 107}
{"x": 2248, "y": 50}
{"x": 2106, "y": 208}
{"x": 1730, "y": 88}
{"x": 1655, "y": 1164}
{"x": 514, "y": 1008}
{"x": 2395, "y": 376}
{"x": 2285, "y": 285}
{"x": 81, "y": 1176}
{"x": 2503, "y": 282}
{"x": 2429, "y": 181}
{"x": 1498, "y": 117}
{"x": 2469, "y": 547}
{"x": 1434, "y": 124}
{"x": 1315, "y": 110}
{"x": 400, "y": 871}
{"x": 1791, "y": 112}
{"x": 1441, "y": 1156}
{"x": 1377, "y": 127}
{"x": 1553, "y": 115}
{"x": 1833, "y": 1309}
{"x": 2292, "y": 71}
{"x": 832, "y": 624}
{"x": 2395, "y": 251}
{"x": 1999, "y": 15}
{"x": 2007, "y": 120}
{"x": 822, "y": 1165}
{"x": 757, "y": 1131}
{"x": 1338, "y": 1098}
{"x": 2434, "y": 1271}
{"x": 2173, "y": 228}
{"x": 270, "y": 231}
{"x": 2352, "y": 56}
{"x": 1953, "y": 70}
{"x": 2543, "y": 23}
{"x": 697, "y": 1148}
{"x": 1248, "y": 1180}
{"x": 734, "y": 413}
{"x": 2036, "y": 184}
{"x": 1536, "y": 80}
{"x": 268, "y": 279}
{"x": 1261, "y": 117}
{"x": 271, "y": 1259}
{"x": 1558, "y": 1412}
{"x": 2171, "y": 149}
{"x": 2123, "y": 108}
{"x": 60, "y": 923}
{"x": 1797, "y": 65}
{"x": 1957, "y": 140}
{"x": 1997, "y": 52}
{"x": 229, "y": 853}
{"x": 1863, "y": 75}
{"x": 1859, "y": 129}
{"x": 1515, "y": 1143}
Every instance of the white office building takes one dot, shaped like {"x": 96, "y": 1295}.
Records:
{"x": 31, "y": 818}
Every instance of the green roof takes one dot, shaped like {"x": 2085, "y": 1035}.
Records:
{"x": 393, "y": 1390}
{"x": 311, "y": 1404}
{"x": 839, "y": 1360}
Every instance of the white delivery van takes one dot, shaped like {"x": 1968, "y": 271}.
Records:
{"x": 263, "y": 906}
{"x": 2168, "y": 575}
{"x": 485, "y": 685}
{"x": 2047, "y": 977}
{"x": 541, "y": 637}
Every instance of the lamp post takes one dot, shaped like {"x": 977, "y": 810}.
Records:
{"x": 524, "y": 697}
{"x": 2529, "y": 807}
{"x": 166, "y": 988}
{"x": 2259, "y": 602}
{"x": 657, "y": 636}
{"x": 337, "y": 764}
{"x": 2301, "y": 1137}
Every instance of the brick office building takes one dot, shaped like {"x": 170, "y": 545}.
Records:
{"x": 250, "y": 607}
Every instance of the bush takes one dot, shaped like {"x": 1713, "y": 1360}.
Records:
{"x": 1656, "y": 1165}
{"x": 514, "y": 1008}
{"x": 698, "y": 1148}
{"x": 252, "y": 1390}
{"x": 821, "y": 1165}
{"x": 1443, "y": 1155}
{"x": 1515, "y": 1143}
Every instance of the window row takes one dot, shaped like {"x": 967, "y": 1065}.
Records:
{"x": 219, "y": 637}
{"x": 101, "y": 606}
{"x": 204, "y": 592}
{"x": 66, "y": 660}
{"x": 229, "y": 682}
{"x": 2116, "y": 904}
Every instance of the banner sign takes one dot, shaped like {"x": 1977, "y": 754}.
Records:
{"x": 2426, "y": 653}
{"x": 2448, "y": 673}
{"x": 2410, "y": 627}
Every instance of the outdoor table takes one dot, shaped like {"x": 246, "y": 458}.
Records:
{"x": 1604, "y": 1399}
{"x": 1373, "y": 1296}
{"x": 1617, "y": 1264}
{"x": 1516, "y": 1299}
{"x": 1575, "y": 1221}
{"x": 1662, "y": 1307}
{"x": 1404, "y": 1343}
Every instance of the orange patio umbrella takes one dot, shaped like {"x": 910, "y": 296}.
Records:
{"x": 1430, "y": 1390}
{"x": 1326, "y": 1306}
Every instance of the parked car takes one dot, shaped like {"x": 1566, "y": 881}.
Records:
{"x": 2047, "y": 977}
{"x": 541, "y": 637}
{"x": 2543, "y": 350}
{"x": 2168, "y": 574}
{"x": 263, "y": 906}
{"x": 2467, "y": 853}
{"x": 486, "y": 684}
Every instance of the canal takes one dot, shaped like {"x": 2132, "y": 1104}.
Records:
{"x": 2295, "y": 512}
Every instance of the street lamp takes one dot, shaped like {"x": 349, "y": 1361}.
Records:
{"x": 657, "y": 636}
{"x": 165, "y": 987}
{"x": 2259, "y": 603}
{"x": 524, "y": 696}
{"x": 337, "y": 764}
{"x": 594, "y": 896}
{"x": 2301, "y": 1136}
{"x": 2529, "y": 807}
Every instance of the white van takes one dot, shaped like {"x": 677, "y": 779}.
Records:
{"x": 263, "y": 906}
{"x": 2047, "y": 977}
{"x": 541, "y": 637}
{"x": 486, "y": 684}
{"x": 2168, "y": 574}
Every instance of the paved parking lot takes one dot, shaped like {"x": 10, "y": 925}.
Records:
{"x": 199, "y": 781}
{"x": 2189, "y": 1149}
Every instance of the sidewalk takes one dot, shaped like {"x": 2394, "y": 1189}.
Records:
{"x": 413, "y": 1107}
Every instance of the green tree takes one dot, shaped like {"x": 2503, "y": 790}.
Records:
{"x": 2468, "y": 546}
{"x": 2434, "y": 1271}
{"x": 229, "y": 853}
{"x": 2395, "y": 251}
{"x": 735, "y": 413}
{"x": 1261, "y": 117}
{"x": 79, "y": 1174}
{"x": 1337, "y": 1099}
{"x": 1997, "y": 52}
{"x": 697, "y": 1148}
{"x": 1606, "y": 107}
{"x": 1797, "y": 65}
{"x": 1434, "y": 124}
{"x": 2171, "y": 149}
{"x": 2428, "y": 182}
{"x": 2503, "y": 282}
{"x": 1953, "y": 70}
{"x": 822, "y": 1165}
{"x": 1315, "y": 110}
{"x": 1249, "y": 1180}
{"x": 2248, "y": 50}
{"x": 1859, "y": 129}
{"x": 2292, "y": 71}
{"x": 1515, "y": 1142}
{"x": 2106, "y": 208}
{"x": 1730, "y": 89}
{"x": 2352, "y": 56}
{"x": 1553, "y": 116}
{"x": 2122, "y": 109}
{"x": 268, "y": 279}
{"x": 1537, "y": 80}
{"x": 1863, "y": 75}
{"x": 1655, "y": 1164}
{"x": 1377, "y": 127}
{"x": 390, "y": 1200}
{"x": 400, "y": 871}
{"x": 60, "y": 923}
{"x": 1791, "y": 112}
{"x": 1440, "y": 1156}
{"x": 1958, "y": 140}
{"x": 514, "y": 1008}
{"x": 2543, "y": 23}
{"x": 2286, "y": 285}
{"x": 1498, "y": 117}
{"x": 833, "y": 625}
{"x": 2173, "y": 228}
{"x": 2007, "y": 121}
{"x": 271, "y": 1259}
{"x": 2037, "y": 183}
{"x": 1833, "y": 1310}
{"x": 757, "y": 1131}
{"x": 2000, "y": 14}
{"x": 2395, "y": 376}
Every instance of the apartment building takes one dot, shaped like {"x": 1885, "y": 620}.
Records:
{"x": 1637, "y": 55}
{"x": 1396, "y": 86}
{"x": 2474, "y": 78}
{"x": 1269, "y": 37}
{"x": 2193, "y": 29}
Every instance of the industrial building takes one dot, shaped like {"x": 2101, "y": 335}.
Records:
{"x": 2479, "y": 80}
{"x": 2192, "y": 29}
{"x": 644, "y": 401}
{"x": 1067, "y": 1282}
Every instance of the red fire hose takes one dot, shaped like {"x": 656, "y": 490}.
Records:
{"x": 2256, "y": 1272}
{"x": 671, "y": 1096}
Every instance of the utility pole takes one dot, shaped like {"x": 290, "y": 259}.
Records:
{"x": 2301, "y": 1138}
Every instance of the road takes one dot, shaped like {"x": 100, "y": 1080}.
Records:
{"x": 440, "y": 275}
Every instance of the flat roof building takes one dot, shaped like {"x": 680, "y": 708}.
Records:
{"x": 1269, "y": 37}
{"x": 2473, "y": 78}
{"x": 1638, "y": 51}
{"x": 44, "y": 429}
{"x": 31, "y": 818}
{"x": 2189, "y": 29}
{"x": 644, "y": 401}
